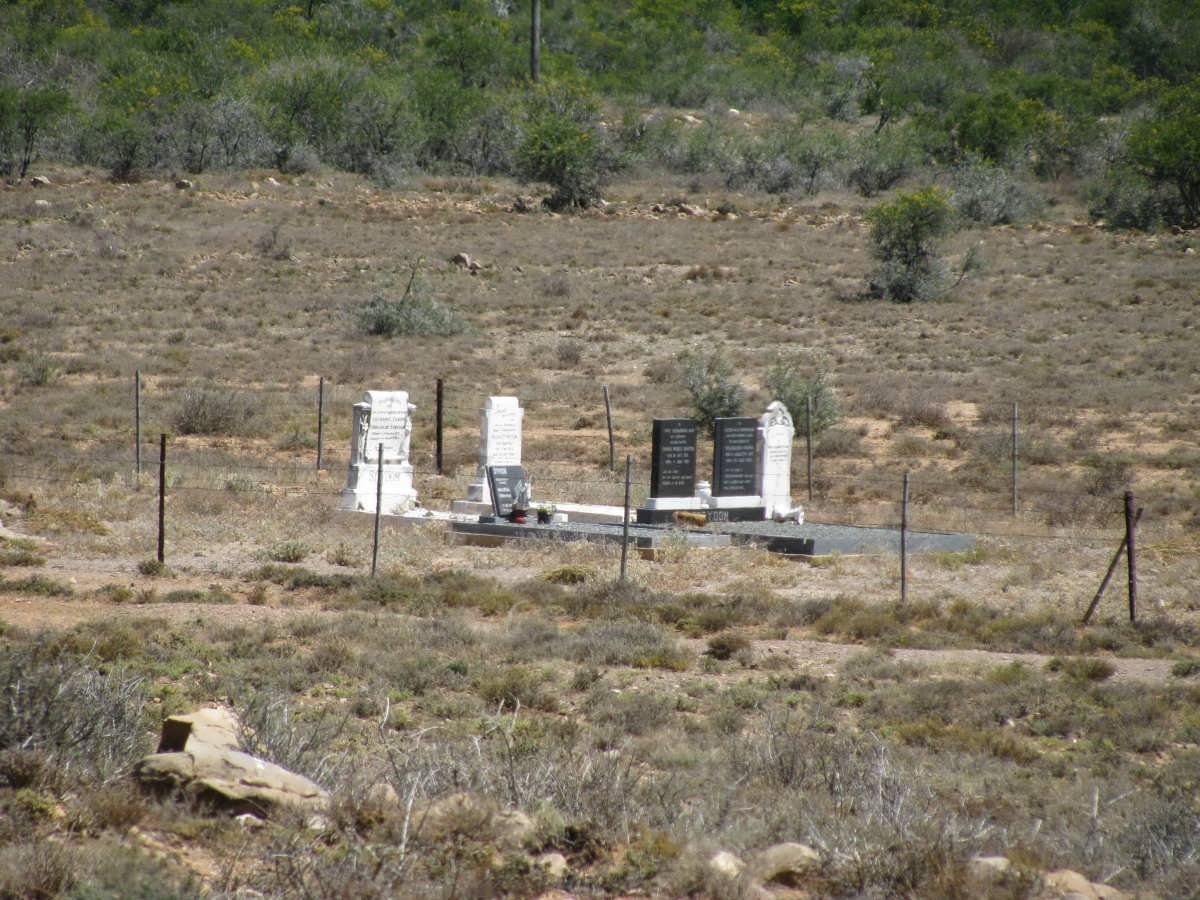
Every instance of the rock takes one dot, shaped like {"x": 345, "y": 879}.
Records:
{"x": 464, "y": 261}
{"x": 39, "y": 181}
{"x": 727, "y": 864}
{"x": 689, "y": 210}
{"x": 184, "y": 185}
{"x": 475, "y": 817}
{"x": 199, "y": 755}
{"x": 786, "y": 864}
{"x": 214, "y": 726}
{"x": 555, "y": 865}
{"x": 1067, "y": 884}
{"x": 733, "y": 113}
{"x": 688, "y": 119}
{"x": 987, "y": 872}
{"x": 42, "y": 204}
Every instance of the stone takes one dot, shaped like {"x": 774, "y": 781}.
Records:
{"x": 554, "y": 865}
{"x": 39, "y": 181}
{"x": 500, "y": 423}
{"x": 213, "y": 726}
{"x": 735, "y": 469}
{"x": 509, "y": 487}
{"x": 469, "y": 815}
{"x": 727, "y": 864}
{"x": 464, "y": 261}
{"x": 988, "y": 869}
{"x": 41, "y": 204}
{"x": 775, "y": 431}
{"x": 673, "y": 458}
{"x": 383, "y": 417}
{"x": 688, "y": 210}
{"x": 209, "y": 766}
{"x": 787, "y": 864}
{"x": 1068, "y": 885}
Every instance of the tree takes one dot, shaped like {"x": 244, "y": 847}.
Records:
{"x": 904, "y": 236}
{"x": 1166, "y": 148}
{"x": 563, "y": 147}
{"x": 25, "y": 114}
{"x": 710, "y": 385}
{"x": 801, "y": 384}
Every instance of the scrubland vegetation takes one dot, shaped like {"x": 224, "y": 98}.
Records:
{"x": 916, "y": 215}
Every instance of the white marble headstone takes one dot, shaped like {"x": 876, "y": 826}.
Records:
{"x": 383, "y": 417}
{"x": 500, "y": 423}
{"x": 775, "y": 465}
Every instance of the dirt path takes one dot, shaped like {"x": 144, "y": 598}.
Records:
{"x": 819, "y": 658}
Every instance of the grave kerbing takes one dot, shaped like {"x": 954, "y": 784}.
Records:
{"x": 382, "y": 417}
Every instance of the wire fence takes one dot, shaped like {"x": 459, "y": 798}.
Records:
{"x": 996, "y": 497}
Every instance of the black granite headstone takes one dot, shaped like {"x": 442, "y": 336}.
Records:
{"x": 735, "y": 456}
{"x": 673, "y": 458}
{"x": 508, "y": 484}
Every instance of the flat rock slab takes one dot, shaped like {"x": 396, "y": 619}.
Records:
{"x": 643, "y": 537}
{"x": 814, "y": 539}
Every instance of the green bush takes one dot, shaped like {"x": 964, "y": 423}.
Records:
{"x": 414, "y": 314}
{"x": 1125, "y": 199}
{"x": 904, "y": 236}
{"x": 1166, "y": 149}
{"x": 795, "y": 381}
{"x": 878, "y": 161}
{"x": 562, "y": 147}
{"x": 710, "y": 385}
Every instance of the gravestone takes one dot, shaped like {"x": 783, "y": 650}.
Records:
{"x": 499, "y": 442}
{"x": 508, "y": 485}
{"x": 733, "y": 496}
{"x": 775, "y": 461}
{"x": 672, "y": 472}
{"x": 673, "y": 458}
{"x": 382, "y": 417}
{"x": 735, "y": 457}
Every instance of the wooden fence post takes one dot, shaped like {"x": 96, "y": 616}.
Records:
{"x": 137, "y": 429}
{"x": 808, "y": 448}
{"x": 438, "y": 458}
{"x": 320, "y": 420}
{"x": 1131, "y": 553}
{"x": 1014, "y": 459}
{"x": 162, "y": 498}
{"x": 904, "y": 540}
{"x": 1112, "y": 567}
{"x": 625, "y": 520}
{"x": 612, "y": 447}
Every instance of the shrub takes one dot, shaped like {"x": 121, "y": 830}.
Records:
{"x": 1126, "y": 199}
{"x": 990, "y": 195}
{"x": 710, "y": 385}
{"x": 562, "y": 147}
{"x": 80, "y": 718}
{"x": 795, "y": 382}
{"x": 288, "y": 551}
{"x": 878, "y": 161}
{"x": 209, "y": 411}
{"x": 1166, "y": 149}
{"x": 414, "y": 314}
{"x": 904, "y": 236}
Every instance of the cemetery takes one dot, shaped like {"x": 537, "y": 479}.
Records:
{"x": 748, "y": 500}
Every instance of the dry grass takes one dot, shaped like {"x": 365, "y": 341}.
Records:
{"x": 633, "y": 747}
